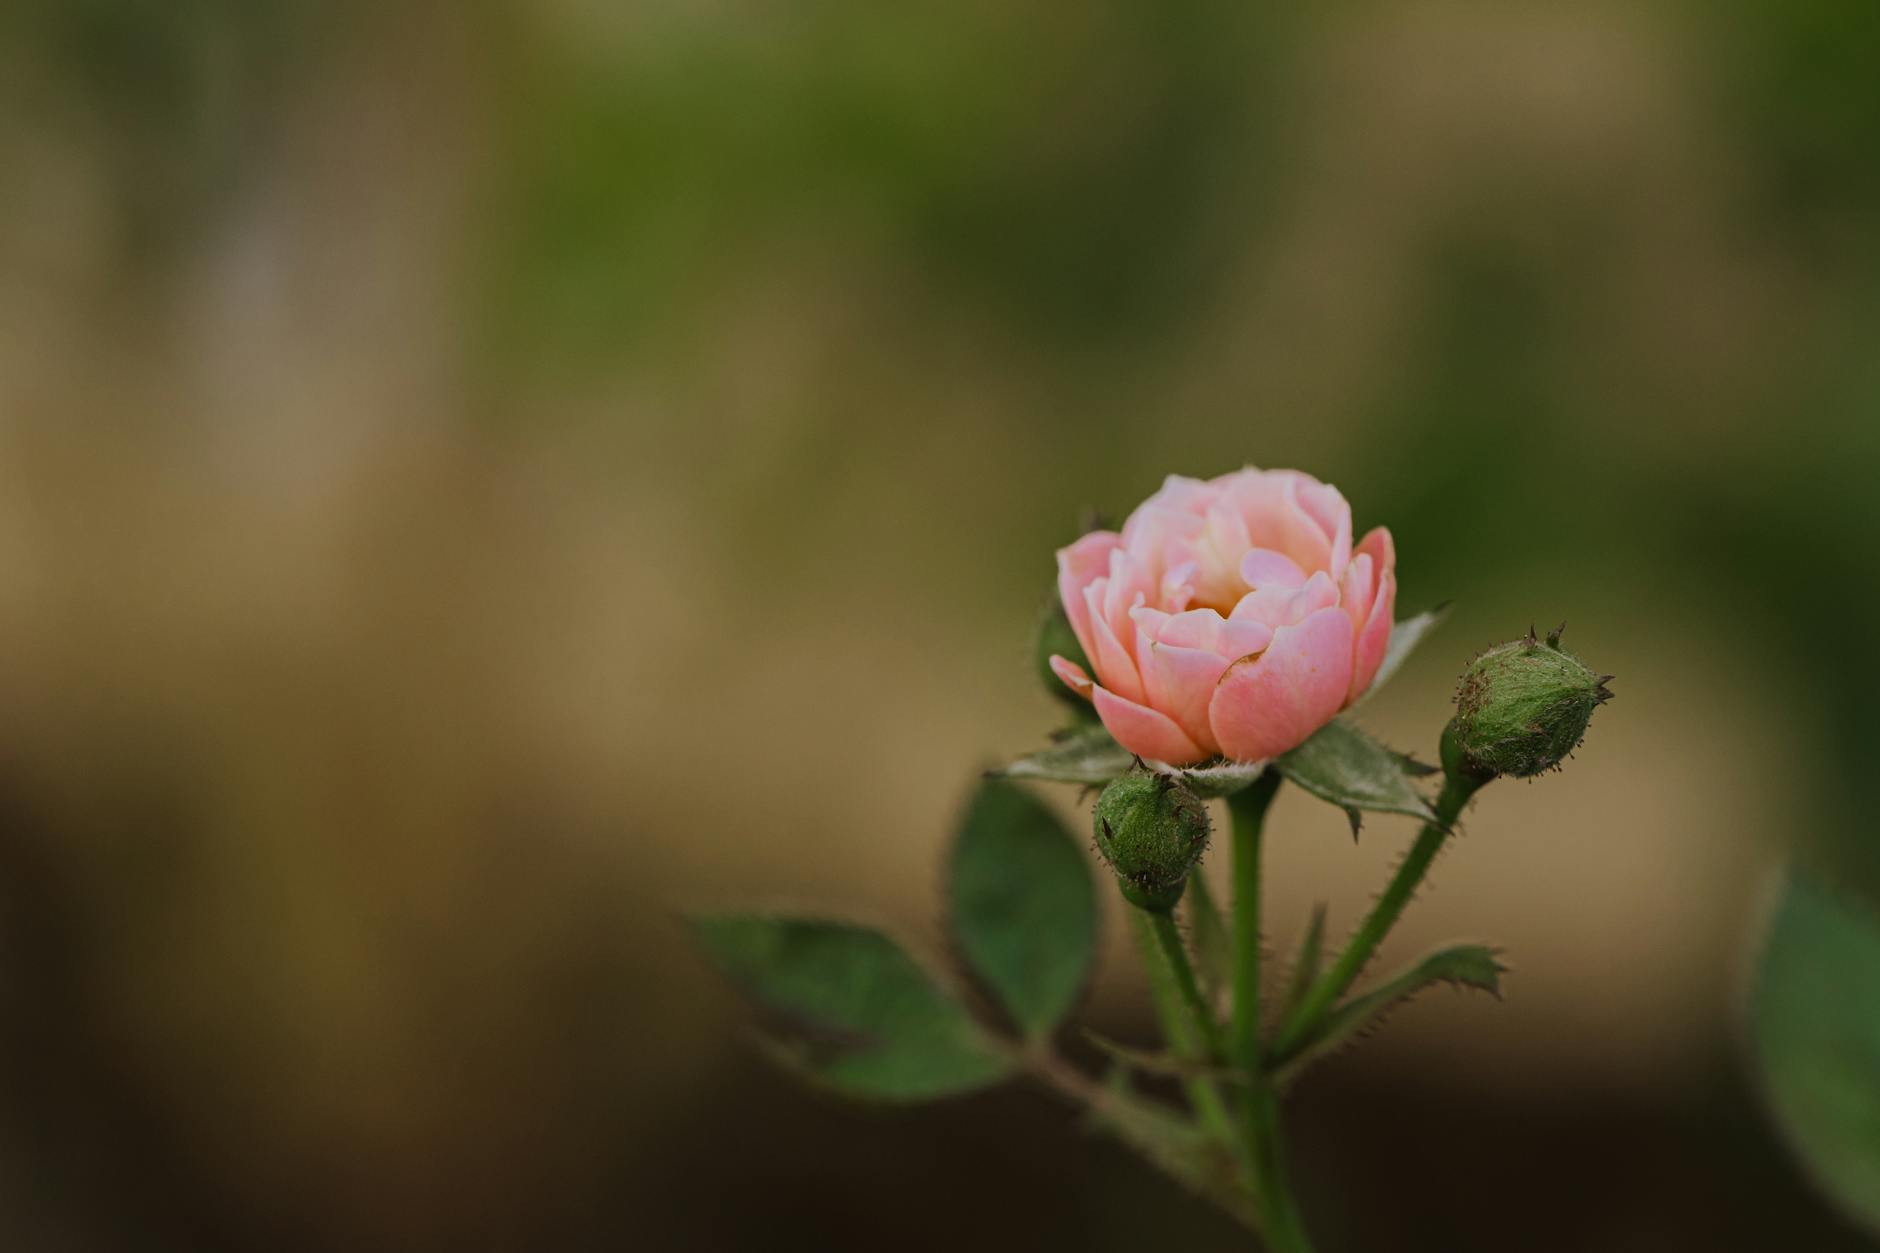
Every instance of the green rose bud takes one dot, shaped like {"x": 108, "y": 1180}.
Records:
{"x": 1521, "y": 708}
{"x": 1152, "y": 830}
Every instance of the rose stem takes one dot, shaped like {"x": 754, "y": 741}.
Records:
{"x": 1456, "y": 792}
{"x": 1272, "y": 1188}
{"x": 1185, "y": 1019}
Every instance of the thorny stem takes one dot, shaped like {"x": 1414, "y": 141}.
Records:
{"x": 1403, "y": 885}
{"x": 1201, "y": 1019}
{"x": 1185, "y": 1019}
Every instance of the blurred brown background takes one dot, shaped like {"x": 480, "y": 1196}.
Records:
{"x": 477, "y": 480}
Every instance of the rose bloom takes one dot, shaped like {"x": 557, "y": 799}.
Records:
{"x": 1230, "y": 618}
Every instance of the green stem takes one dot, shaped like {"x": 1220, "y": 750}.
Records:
{"x": 1266, "y": 1151}
{"x": 1213, "y": 945}
{"x": 1280, "y": 1221}
{"x": 1185, "y": 1020}
{"x": 1403, "y": 885}
{"x": 1247, "y": 808}
{"x": 1142, "y": 1125}
{"x": 1201, "y": 1018}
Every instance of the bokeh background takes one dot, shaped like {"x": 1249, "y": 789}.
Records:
{"x": 479, "y": 480}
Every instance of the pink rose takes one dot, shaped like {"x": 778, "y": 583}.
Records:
{"x": 1230, "y": 618}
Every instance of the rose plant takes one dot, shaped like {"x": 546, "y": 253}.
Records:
{"x": 1217, "y": 638}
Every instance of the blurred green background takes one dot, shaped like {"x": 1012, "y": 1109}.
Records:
{"x": 477, "y": 480}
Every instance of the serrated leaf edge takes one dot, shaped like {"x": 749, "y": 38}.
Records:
{"x": 1360, "y": 1017}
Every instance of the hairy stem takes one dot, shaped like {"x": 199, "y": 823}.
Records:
{"x": 1186, "y": 1021}
{"x": 1213, "y": 945}
{"x": 1377, "y": 924}
{"x": 1201, "y": 1019}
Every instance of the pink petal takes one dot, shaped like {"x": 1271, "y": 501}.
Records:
{"x": 1383, "y": 549}
{"x": 1128, "y": 585}
{"x": 1145, "y": 732}
{"x": 1279, "y": 606}
{"x": 1132, "y": 582}
{"x": 1232, "y": 638}
{"x": 1240, "y": 637}
{"x": 1359, "y": 590}
{"x": 1218, "y": 550}
{"x": 1072, "y": 674}
{"x": 1078, "y": 564}
{"x": 1179, "y": 494}
{"x": 1178, "y": 586}
{"x": 1114, "y": 663}
{"x": 1268, "y": 704}
{"x": 1175, "y": 512}
{"x": 1374, "y": 639}
{"x": 1149, "y": 621}
{"x": 1327, "y": 507}
{"x": 1179, "y": 682}
{"x": 1262, "y": 567}
{"x": 1277, "y": 520}
{"x": 1226, "y": 530}
{"x": 1192, "y": 628}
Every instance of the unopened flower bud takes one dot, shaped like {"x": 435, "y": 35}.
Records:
{"x": 1521, "y": 708}
{"x": 1152, "y": 830}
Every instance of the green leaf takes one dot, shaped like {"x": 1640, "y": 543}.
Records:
{"x": 1023, "y": 910}
{"x": 1404, "y": 637}
{"x": 1465, "y": 965}
{"x": 1305, "y": 969}
{"x": 1343, "y": 765}
{"x": 1815, "y": 1023}
{"x": 850, "y": 1009}
{"x": 1086, "y": 755}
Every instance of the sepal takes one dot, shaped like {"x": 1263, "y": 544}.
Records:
{"x": 1343, "y": 765}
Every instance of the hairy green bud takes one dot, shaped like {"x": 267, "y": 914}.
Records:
{"x": 1152, "y": 830}
{"x": 1521, "y": 708}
